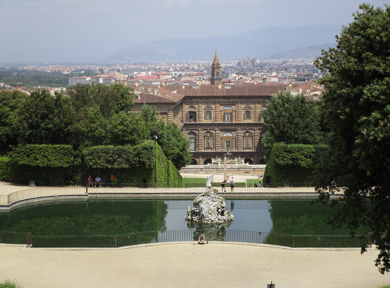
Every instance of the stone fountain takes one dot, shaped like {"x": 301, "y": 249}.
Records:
{"x": 209, "y": 208}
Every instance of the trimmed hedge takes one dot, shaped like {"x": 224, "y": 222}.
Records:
{"x": 134, "y": 165}
{"x": 5, "y": 169}
{"x": 54, "y": 156}
{"x": 55, "y": 165}
{"x": 48, "y": 165}
{"x": 293, "y": 163}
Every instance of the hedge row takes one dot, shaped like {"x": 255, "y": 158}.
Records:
{"x": 293, "y": 163}
{"x": 55, "y": 165}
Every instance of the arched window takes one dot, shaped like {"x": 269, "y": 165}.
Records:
{"x": 208, "y": 161}
{"x": 228, "y": 107}
{"x": 208, "y": 141}
{"x": 262, "y": 161}
{"x": 192, "y": 138}
{"x": 194, "y": 162}
{"x": 248, "y": 160}
{"x": 248, "y": 140}
{"x": 229, "y": 134}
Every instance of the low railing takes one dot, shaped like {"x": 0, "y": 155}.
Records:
{"x": 13, "y": 237}
{"x": 39, "y": 192}
{"x": 235, "y": 236}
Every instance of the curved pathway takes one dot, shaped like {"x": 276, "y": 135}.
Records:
{"x": 185, "y": 265}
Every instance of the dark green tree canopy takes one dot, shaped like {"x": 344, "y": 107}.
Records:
{"x": 169, "y": 137}
{"x": 356, "y": 108}
{"x": 9, "y": 105}
{"x": 84, "y": 116}
{"x": 46, "y": 119}
{"x": 291, "y": 120}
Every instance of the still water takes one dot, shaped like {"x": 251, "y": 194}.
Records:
{"x": 117, "y": 217}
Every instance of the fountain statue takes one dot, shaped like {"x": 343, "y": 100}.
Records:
{"x": 209, "y": 208}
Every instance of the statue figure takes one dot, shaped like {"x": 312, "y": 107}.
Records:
{"x": 209, "y": 182}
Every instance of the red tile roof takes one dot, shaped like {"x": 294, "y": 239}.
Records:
{"x": 233, "y": 90}
{"x": 148, "y": 77}
{"x": 149, "y": 98}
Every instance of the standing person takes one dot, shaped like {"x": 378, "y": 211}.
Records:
{"x": 201, "y": 240}
{"x": 90, "y": 184}
{"x": 98, "y": 180}
{"x": 223, "y": 186}
{"x": 231, "y": 185}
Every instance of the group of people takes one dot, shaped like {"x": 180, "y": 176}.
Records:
{"x": 98, "y": 181}
{"x": 223, "y": 185}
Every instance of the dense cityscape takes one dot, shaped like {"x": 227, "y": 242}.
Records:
{"x": 247, "y": 71}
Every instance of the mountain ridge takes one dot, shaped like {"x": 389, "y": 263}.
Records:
{"x": 259, "y": 43}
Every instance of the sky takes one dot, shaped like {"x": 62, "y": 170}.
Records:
{"x": 83, "y": 30}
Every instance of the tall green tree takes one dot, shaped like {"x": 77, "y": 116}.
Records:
{"x": 169, "y": 137}
{"x": 47, "y": 119}
{"x": 356, "y": 106}
{"x": 291, "y": 120}
{"x": 109, "y": 99}
{"x": 9, "y": 104}
{"x": 126, "y": 129}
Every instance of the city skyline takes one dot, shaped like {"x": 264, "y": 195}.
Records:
{"x": 69, "y": 30}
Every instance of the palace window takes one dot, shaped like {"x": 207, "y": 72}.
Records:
{"x": 227, "y": 144}
{"x": 192, "y": 138}
{"x": 207, "y": 115}
{"x": 247, "y": 115}
{"x": 228, "y": 113}
{"x": 228, "y": 117}
{"x": 192, "y": 116}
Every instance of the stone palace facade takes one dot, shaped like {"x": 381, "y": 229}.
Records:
{"x": 216, "y": 118}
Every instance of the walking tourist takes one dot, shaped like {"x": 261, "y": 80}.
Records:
{"x": 231, "y": 184}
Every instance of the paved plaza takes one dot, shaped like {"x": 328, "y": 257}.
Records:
{"x": 186, "y": 265}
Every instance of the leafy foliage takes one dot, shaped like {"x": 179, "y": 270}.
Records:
{"x": 132, "y": 164}
{"x": 169, "y": 137}
{"x": 45, "y": 156}
{"x": 291, "y": 120}
{"x": 44, "y": 119}
{"x": 294, "y": 154}
{"x": 9, "y": 104}
{"x": 120, "y": 157}
{"x": 293, "y": 163}
{"x": 5, "y": 168}
{"x": 356, "y": 107}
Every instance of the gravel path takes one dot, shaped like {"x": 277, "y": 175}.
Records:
{"x": 185, "y": 265}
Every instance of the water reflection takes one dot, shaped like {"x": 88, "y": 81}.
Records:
{"x": 122, "y": 217}
{"x": 88, "y": 218}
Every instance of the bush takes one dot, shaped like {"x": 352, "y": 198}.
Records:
{"x": 133, "y": 165}
{"x": 291, "y": 164}
{"x": 5, "y": 169}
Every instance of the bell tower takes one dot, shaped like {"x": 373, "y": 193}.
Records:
{"x": 216, "y": 77}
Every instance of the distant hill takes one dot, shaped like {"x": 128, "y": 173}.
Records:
{"x": 310, "y": 52}
{"x": 257, "y": 43}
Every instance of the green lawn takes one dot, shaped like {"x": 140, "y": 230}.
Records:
{"x": 252, "y": 182}
{"x": 201, "y": 182}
